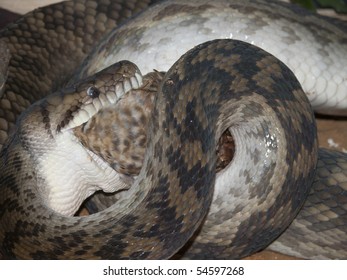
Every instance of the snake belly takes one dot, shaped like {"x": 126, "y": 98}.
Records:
{"x": 313, "y": 47}
{"x": 163, "y": 224}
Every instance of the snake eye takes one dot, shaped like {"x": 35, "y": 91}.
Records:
{"x": 93, "y": 92}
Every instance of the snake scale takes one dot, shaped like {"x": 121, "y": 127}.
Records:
{"x": 217, "y": 85}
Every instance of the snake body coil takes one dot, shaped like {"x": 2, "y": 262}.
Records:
{"x": 217, "y": 85}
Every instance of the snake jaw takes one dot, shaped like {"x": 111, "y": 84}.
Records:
{"x": 70, "y": 164}
{"x": 109, "y": 95}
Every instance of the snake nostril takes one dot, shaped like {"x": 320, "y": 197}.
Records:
{"x": 93, "y": 92}
{"x": 225, "y": 150}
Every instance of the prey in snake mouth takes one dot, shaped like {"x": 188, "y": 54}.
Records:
{"x": 118, "y": 135}
{"x": 59, "y": 153}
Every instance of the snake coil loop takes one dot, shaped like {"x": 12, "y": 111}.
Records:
{"x": 48, "y": 167}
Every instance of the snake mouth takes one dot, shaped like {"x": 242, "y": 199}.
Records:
{"x": 71, "y": 162}
{"x": 98, "y": 98}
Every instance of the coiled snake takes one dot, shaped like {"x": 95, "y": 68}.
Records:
{"x": 222, "y": 84}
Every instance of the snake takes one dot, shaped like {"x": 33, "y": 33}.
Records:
{"x": 64, "y": 78}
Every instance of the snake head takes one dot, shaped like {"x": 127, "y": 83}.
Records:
{"x": 68, "y": 171}
{"x": 76, "y": 104}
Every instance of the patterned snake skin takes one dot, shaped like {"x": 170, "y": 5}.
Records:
{"x": 218, "y": 85}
